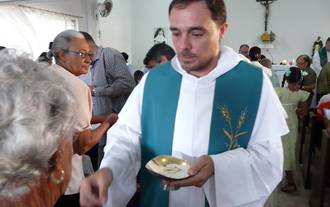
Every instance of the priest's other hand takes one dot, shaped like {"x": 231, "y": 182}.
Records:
{"x": 200, "y": 172}
{"x": 94, "y": 189}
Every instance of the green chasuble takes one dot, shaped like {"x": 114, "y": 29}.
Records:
{"x": 323, "y": 56}
{"x": 235, "y": 106}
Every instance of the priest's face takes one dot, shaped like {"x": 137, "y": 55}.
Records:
{"x": 196, "y": 37}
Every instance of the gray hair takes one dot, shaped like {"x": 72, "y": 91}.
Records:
{"x": 62, "y": 42}
{"x": 36, "y": 113}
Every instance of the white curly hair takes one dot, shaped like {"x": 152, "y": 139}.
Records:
{"x": 37, "y": 110}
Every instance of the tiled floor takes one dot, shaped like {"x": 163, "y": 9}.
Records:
{"x": 280, "y": 199}
{"x": 298, "y": 199}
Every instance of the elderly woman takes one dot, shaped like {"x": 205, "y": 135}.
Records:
{"x": 36, "y": 117}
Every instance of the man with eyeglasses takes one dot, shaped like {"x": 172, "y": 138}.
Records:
{"x": 309, "y": 79}
{"x": 111, "y": 82}
{"x": 73, "y": 58}
{"x": 308, "y": 83}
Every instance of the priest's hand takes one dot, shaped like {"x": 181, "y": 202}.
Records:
{"x": 200, "y": 172}
{"x": 94, "y": 189}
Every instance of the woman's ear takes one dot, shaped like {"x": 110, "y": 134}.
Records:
{"x": 61, "y": 55}
{"x": 61, "y": 169}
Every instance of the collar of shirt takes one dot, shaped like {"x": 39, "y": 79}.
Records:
{"x": 97, "y": 56}
{"x": 228, "y": 60}
{"x": 63, "y": 71}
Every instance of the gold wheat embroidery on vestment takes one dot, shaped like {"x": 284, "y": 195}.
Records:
{"x": 231, "y": 133}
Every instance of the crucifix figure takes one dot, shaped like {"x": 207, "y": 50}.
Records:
{"x": 266, "y": 3}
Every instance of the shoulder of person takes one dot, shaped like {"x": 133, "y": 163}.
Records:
{"x": 327, "y": 66}
{"x": 303, "y": 92}
{"x": 311, "y": 71}
{"x": 112, "y": 51}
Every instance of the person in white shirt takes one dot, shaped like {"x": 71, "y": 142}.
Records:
{"x": 206, "y": 106}
{"x": 321, "y": 57}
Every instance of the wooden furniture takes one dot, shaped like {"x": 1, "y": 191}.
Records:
{"x": 300, "y": 140}
{"x": 307, "y": 153}
{"x": 320, "y": 172}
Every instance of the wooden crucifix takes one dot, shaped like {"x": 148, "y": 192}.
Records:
{"x": 266, "y": 4}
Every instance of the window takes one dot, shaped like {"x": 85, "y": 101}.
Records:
{"x": 30, "y": 30}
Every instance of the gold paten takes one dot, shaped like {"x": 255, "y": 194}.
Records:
{"x": 168, "y": 167}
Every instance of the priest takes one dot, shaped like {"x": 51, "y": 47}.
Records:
{"x": 206, "y": 106}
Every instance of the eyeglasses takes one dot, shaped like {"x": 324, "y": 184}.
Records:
{"x": 81, "y": 54}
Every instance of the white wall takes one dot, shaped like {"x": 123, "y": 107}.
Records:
{"x": 116, "y": 30}
{"x": 296, "y": 23}
{"x": 147, "y": 15}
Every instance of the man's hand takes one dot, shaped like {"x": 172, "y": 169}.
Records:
{"x": 200, "y": 172}
{"x": 94, "y": 189}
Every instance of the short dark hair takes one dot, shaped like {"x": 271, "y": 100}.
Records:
{"x": 2, "y": 48}
{"x": 244, "y": 45}
{"x": 295, "y": 75}
{"x": 138, "y": 75}
{"x": 87, "y": 36}
{"x": 254, "y": 51}
{"x": 125, "y": 55}
{"x": 216, "y": 7}
{"x": 157, "y": 51}
{"x": 328, "y": 40}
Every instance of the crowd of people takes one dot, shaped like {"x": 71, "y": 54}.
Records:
{"x": 80, "y": 102}
{"x": 301, "y": 84}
